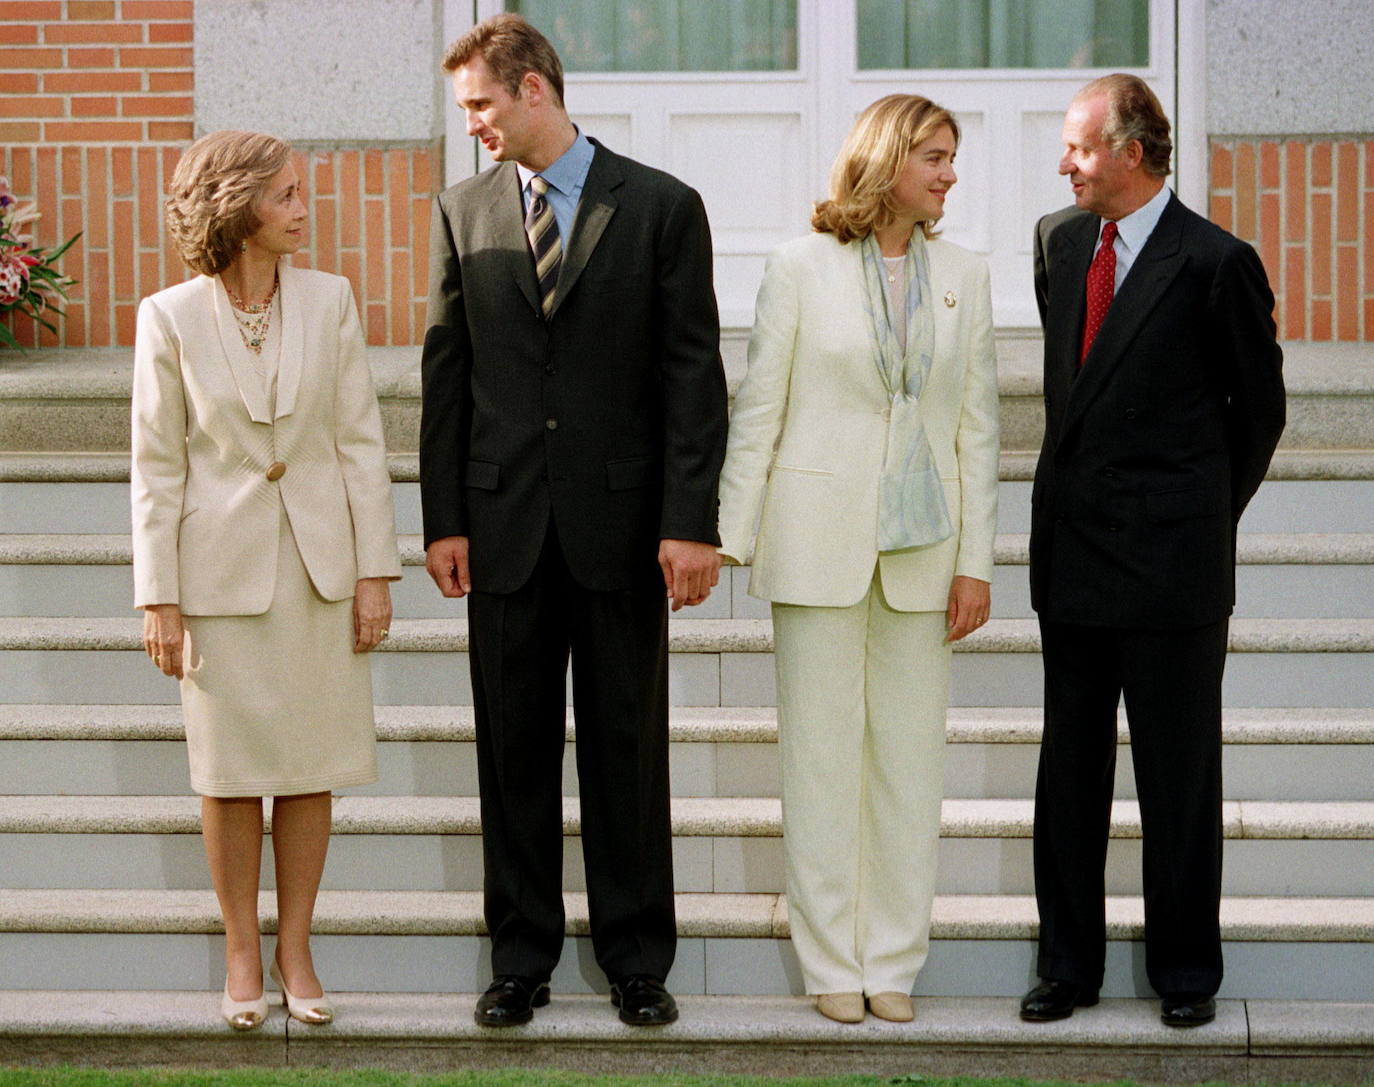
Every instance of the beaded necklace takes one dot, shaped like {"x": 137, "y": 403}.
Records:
{"x": 253, "y": 317}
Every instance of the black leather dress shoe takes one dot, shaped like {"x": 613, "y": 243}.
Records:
{"x": 510, "y": 1000}
{"x": 643, "y": 1001}
{"x": 1187, "y": 1010}
{"x": 1051, "y": 1000}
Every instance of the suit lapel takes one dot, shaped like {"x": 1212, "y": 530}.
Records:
{"x": 594, "y": 210}
{"x": 292, "y": 340}
{"x": 250, "y": 388}
{"x": 505, "y": 216}
{"x": 1070, "y": 253}
{"x": 1153, "y": 270}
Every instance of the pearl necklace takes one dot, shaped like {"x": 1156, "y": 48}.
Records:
{"x": 253, "y": 317}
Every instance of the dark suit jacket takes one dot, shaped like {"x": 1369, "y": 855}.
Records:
{"x": 1154, "y": 448}
{"x": 611, "y": 415}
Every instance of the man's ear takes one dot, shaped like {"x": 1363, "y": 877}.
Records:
{"x": 1133, "y": 153}
{"x": 532, "y": 87}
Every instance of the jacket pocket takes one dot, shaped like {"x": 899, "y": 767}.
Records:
{"x": 623, "y": 475}
{"x": 1184, "y": 505}
{"x": 823, "y": 472}
{"x": 483, "y": 475}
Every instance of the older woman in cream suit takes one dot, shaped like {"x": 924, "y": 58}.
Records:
{"x": 264, "y": 541}
{"x": 864, "y": 446}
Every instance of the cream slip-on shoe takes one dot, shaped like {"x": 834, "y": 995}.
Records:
{"x": 894, "y": 1007}
{"x": 841, "y": 1007}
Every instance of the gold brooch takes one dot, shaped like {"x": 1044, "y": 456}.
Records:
{"x": 950, "y": 299}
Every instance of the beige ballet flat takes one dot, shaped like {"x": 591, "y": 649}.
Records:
{"x": 314, "y": 1010}
{"x": 243, "y": 1014}
{"x": 841, "y": 1007}
{"x": 894, "y": 1007}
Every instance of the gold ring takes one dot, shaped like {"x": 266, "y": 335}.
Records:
{"x": 384, "y": 635}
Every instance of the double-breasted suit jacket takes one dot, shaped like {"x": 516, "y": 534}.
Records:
{"x": 205, "y": 515}
{"x": 608, "y": 416}
{"x": 810, "y": 430}
{"x": 1153, "y": 449}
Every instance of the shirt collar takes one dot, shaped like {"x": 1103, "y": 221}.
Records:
{"x": 1135, "y": 229}
{"x": 568, "y": 172}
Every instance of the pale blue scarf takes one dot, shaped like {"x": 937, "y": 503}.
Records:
{"x": 911, "y": 501}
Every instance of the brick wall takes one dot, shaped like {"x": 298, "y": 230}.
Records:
{"x": 95, "y": 108}
{"x": 1307, "y": 205}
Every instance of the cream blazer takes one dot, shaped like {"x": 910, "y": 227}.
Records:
{"x": 809, "y": 432}
{"x": 205, "y": 515}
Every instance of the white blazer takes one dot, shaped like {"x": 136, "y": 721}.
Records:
{"x": 205, "y": 515}
{"x": 808, "y": 434}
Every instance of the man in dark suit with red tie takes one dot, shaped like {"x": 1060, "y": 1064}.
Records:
{"x": 573, "y": 429}
{"x": 1164, "y": 402}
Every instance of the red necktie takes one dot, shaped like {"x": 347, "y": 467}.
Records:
{"x": 1101, "y": 287}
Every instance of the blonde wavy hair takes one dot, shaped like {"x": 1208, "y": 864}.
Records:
{"x": 871, "y": 160}
{"x": 214, "y": 187}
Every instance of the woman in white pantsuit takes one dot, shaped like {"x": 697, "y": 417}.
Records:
{"x": 264, "y": 541}
{"x": 864, "y": 445}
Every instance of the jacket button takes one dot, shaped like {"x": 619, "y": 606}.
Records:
{"x": 551, "y": 424}
{"x": 276, "y": 470}
{"x": 550, "y": 371}
{"x": 1110, "y": 473}
{"x": 1113, "y": 526}
{"x": 1130, "y": 413}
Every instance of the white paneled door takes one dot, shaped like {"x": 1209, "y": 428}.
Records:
{"x": 750, "y": 100}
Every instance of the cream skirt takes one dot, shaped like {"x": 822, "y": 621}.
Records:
{"x": 278, "y": 704}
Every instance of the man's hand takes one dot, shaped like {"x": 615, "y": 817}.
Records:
{"x": 970, "y": 601}
{"x": 163, "y": 635}
{"x": 447, "y": 562}
{"x": 690, "y": 569}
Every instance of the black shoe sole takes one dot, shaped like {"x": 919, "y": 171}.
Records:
{"x": 1191, "y": 1021}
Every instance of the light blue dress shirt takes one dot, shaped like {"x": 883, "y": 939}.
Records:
{"x": 1133, "y": 231}
{"x": 566, "y": 177}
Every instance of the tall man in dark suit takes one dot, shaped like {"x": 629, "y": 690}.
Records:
{"x": 1164, "y": 402}
{"x": 573, "y": 429}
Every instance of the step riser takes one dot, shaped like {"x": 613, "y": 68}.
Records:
{"x": 1279, "y": 506}
{"x": 725, "y": 865}
{"x": 1279, "y": 971}
{"x": 973, "y": 771}
{"x": 695, "y": 679}
{"x": 1271, "y": 591}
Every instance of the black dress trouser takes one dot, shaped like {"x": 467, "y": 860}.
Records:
{"x": 520, "y": 647}
{"x": 1171, "y": 684}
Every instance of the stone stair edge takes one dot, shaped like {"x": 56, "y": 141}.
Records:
{"x": 1015, "y": 466}
{"x": 687, "y": 724}
{"x": 715, "y": 817}
{"x": 1011, "y": 549}
{"x": 699, "y": 914}
{"x": 1310, "y": 369}
{"x": 1255, "y": 635}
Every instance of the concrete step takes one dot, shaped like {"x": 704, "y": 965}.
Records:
{"x": 415, "y": 941}
{"x": 1319, "y": 491}
{"x": 1269, "y": 754}
{"x": 1251, "y": 1041}
{"x": 713, "y": 662}
{"x": 723, "y": 845}
{"x": 1304, "y": 575}
{"x": 74, "y": 399}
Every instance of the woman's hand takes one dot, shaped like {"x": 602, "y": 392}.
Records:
{"x": 970, "y": 601}
{"x": 162, "y": 637}
{"x": 371, "y": 613}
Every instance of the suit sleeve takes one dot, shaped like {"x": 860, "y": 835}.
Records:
{"x": 694, "y": 394}
{"x": 157, "y": 472}
{"x": 1241, "y": 310}
{"x": 977, "y": 443}
{"x": 760, "y": 409}
{"x": 361, "y": 450}
{"x": 446, "y": 407}
{"x": 1042, "y": 277}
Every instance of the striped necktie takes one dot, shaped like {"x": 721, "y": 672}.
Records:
{"x": 542, "y": 230}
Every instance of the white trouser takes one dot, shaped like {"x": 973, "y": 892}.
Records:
{"x": 862, "y": 697}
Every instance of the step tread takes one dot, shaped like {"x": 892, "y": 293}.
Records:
{"x": 687, "y": 724}
{"x": 82, "y": 467}
{"x": 1011, "y": 549}
{"x": 459, "y": 913}
{"x": 703, "y": 635}
{"x": 738, "y": 817}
